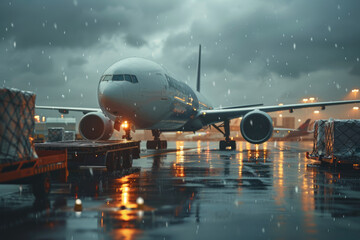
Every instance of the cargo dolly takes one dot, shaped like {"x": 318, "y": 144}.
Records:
{"x": 112, "y": 154}
{"x": 36, "y": 171}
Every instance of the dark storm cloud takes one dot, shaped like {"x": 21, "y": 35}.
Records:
{"x": 78, "y": 23}
{"x": 76, "y": 61}
{"x": 134, "y": 40}
{"x": 287, "y": 38}
{"x": 283, "y": 49}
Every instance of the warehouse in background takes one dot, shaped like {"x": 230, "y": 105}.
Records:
{"x": 45, "y": 125}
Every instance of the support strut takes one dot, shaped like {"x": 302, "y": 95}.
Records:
{"x": 227, "y": 144}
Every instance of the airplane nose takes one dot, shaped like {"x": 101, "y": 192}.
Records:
{"x": 113, "y": 100}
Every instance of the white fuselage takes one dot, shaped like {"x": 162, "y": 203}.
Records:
{"x": 143, "y": 92}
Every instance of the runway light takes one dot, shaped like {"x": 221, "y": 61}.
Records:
{"x": 311, "y": 99}
{"x": 305, "y": 100}
{"x": 316, "y": 111}
{"x": 355, "y": 108}
{"x": 355, "y": 90}
{"x": 78, "y": 205}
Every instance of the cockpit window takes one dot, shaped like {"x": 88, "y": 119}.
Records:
{"x": 106, "y": 78}
{"x": 128, "y": 78}
{"x": 134, "y": 79}
{"x": 118, "y": 77}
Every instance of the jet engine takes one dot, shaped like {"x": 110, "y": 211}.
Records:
{"x": 256, "y": 127}
{"x": 96, "y": 126}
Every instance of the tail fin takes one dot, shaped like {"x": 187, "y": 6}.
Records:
{"x": 304, "y": 127}
{"x": 198, "y": 72}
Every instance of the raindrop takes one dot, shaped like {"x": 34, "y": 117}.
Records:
{"x": 338, "y": 86}
{"x": 357, "y": 59}
{"x": 12, "y": 25}
{"x": 294, "y": 46}
{"x": 229, "y": 92}
{"x": 263, "y": 230}
{"x": 154, "y": 108}
{"x": 86, "y": 24}
{"x": 311, "y": 39}
{"x": 62, "y": 95}
{"x": 213, "y": 83}
{"x": 47, "y": 97}
{"x": 87, "y": 77}
{"x": 55, "y": 25}
{"x": 95, "y": 20}
{"x": 81, "y": 95}
{"x": 75, "y": 3}
{"x": 14, "y": 44}
{"x": 6, "y": 29}
{"x": 43, "y": 24}
{"x": 296, "y": 189}
{"x": 336, "y": 45}
{"x": 329, "y": 28}
{"x": 338, "y": 7}
{"x": 28, "y": 65}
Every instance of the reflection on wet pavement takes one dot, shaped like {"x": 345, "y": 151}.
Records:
{"x": 192, "y": 191}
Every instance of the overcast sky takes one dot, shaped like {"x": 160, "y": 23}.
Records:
{"x": 254, "y": 51}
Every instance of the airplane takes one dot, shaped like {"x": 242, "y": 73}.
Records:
{"x": 302, "y": 130}
{"x": 142, "y": 94}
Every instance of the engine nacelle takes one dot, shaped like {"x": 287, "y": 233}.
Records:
{"x": 256, "y": 127}
{"x": 96, "y": 126}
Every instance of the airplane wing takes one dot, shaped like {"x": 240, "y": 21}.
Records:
{"x": 218, "y": 115}
{"x": 65, "y": 110}
{"x": 286, "y": 129}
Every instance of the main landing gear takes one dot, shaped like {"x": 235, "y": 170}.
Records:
{"x": 156, "y": 143}
{"x": 226, "y": 144}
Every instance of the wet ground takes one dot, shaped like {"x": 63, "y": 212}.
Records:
{"x": 193, "y": 191}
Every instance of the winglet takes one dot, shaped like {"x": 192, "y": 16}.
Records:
{"x": 198, "y": 72}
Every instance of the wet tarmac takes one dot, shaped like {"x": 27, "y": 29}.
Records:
{"x": 193, "y": 191}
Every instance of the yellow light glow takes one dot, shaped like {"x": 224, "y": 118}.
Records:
{"x": 305, "y": 100}
{"x": 37, "y": 118}
{"x": 281, "y": 104}
{"x": 43, "y": 119}
{"x": 125, "y": 125}
{"x": 355, "y": 108}
{"x": 316, "y": 111}
{"x": 280, "y": 115}
{"x": 355, "y": 90}
{"x": 311, "y": 99}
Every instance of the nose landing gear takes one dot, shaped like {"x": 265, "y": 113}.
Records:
{"x": 126, "y": 127}
{"x": 156, "y": 143}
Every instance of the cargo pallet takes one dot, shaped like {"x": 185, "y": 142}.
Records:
{"x": 112, "y": 154}
{"x": 333, "y": 160}
{"x": 36, "y": 171}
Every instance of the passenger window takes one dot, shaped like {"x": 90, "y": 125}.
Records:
{"x": 128, "y": 78}
{"x": 134, "y": 79}
{"x": 118, "y": 77}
